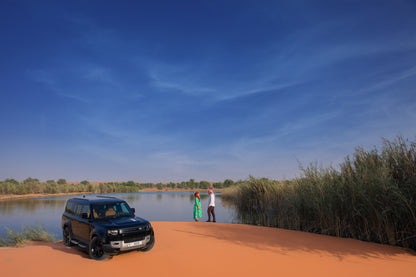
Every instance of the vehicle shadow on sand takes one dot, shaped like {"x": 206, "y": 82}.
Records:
{"x": 79, "y": 251}
{"x": 73, "y": 250}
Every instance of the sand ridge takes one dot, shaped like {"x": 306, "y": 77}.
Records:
{"x": 219, "y": 249}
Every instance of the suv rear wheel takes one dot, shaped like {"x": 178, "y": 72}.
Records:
{"x": 66, "y": 234}
{"x": 96, "y": 249}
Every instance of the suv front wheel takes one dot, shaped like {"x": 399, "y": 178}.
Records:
{"x": 96, "y": 249}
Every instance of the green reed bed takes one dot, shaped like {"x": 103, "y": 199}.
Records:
{"x": 30, "y": 233}
{"x": 372, "y": 197}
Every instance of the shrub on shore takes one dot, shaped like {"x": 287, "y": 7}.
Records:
{"x": 34, "y": 186}
{"x": 372, "y": 197}
{"x": 31, "y": 233}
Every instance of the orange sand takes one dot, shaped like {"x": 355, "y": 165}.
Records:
{"x": 216, "y": 249}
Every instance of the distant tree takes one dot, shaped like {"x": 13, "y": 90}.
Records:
{"x": 204, "y": 185}
{"x": 90, "y": 187}
{"x": 32, "y": 185}
{"x": 61, "y": 182}
{"x": 11, "y": 181}
{"x": 102, "y": 188}
{"x": 9, "y": 186}
{"x": 147, "y": 185}
{"x": 181, "y": 185}
{"x": 85, "y": 183}
{"x": 31, "y": 181}
{"x": 171, "y": 185}
{"x": 51, "y": 186}
{"x": 218, "y": 185}
{"x": 191, "y": 184}
{"x": 228, "y": 183}
{"x": 159, "y": 186}
{"x": 131, "y": 184}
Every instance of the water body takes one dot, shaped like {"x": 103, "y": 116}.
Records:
{"x": 153, "y": 206}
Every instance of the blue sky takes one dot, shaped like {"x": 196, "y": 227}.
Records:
{"x": 172, "y": 90}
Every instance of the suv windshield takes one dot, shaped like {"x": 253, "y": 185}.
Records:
{"x": 112, "y": 210}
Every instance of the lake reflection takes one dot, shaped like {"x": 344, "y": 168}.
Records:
{"x": 154, "y": 206}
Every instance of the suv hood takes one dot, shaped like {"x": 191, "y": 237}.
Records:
{"x": 122, "y": 222}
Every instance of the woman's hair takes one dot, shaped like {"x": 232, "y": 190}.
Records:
{"x": 197, "y": 195}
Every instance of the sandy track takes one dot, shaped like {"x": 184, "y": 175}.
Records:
{"x": 215, "y": 249}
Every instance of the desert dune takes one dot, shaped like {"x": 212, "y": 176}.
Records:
{"x": 217, "y": 249}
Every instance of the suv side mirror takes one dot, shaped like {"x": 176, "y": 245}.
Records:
{"x": 133, "y": 210}
{"x": 84, "y": 215}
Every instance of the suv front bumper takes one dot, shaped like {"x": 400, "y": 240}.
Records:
{"x": 121, "y": 245}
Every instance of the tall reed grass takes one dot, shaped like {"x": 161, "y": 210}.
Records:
{"x": 372, "y": 197}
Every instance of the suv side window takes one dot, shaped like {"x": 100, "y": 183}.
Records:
{"x": 85, "y": 208}
{"x": 78, "y": 207}
{"x": 81, "y": 208}
{"x": 70, "y": 207}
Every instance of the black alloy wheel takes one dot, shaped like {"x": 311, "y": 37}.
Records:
{"x": 66, "y": 234}
{"x": 96, "y": 249}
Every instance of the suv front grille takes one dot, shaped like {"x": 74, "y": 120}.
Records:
{"x": 131, "y": 234}
{"x": 133, "y": 230}
{"x": 134, "y": 239}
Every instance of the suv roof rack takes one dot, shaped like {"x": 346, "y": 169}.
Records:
{"x": 102, "y": 196}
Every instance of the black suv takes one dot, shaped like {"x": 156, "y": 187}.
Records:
{"x": 105, "y": 226}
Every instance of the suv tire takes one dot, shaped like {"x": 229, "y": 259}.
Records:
{"x": 66, "y": 234}
{"x": 96, "y": 250}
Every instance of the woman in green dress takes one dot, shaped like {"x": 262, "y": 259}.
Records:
{"x": 197, "y": 207}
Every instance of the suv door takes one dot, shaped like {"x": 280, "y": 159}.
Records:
{"x": 81, "y": 226}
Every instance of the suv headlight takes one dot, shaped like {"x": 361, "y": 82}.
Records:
{"x": 113, "y": 232}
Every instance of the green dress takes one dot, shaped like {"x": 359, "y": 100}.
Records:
{"x": 197, "y": 212}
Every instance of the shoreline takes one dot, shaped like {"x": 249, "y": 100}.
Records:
{"x": 206, "y": 249}
{"x": 40, "y": 195}
{"x": 36, "y": 195}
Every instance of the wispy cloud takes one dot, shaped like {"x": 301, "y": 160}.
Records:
{"x": 284, "y": 64}
{"x": 203, "y": 82}
{"x": 101, "y": 75}
{"x": 70, "y": 96}
{"x": 82, "y": 82}
{"x": 178, "y": 80}
{"x": 385, "y": 81}
{"x": 52, "y": 83}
